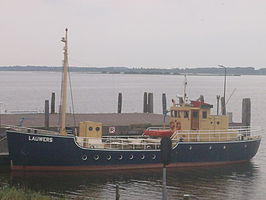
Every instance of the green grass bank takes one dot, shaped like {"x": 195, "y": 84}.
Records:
{"x": 12, "y": 193}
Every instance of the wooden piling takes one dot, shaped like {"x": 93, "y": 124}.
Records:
{"x": 46, "y": 117}
{"x": 246, "y": 112}
{"x": 53, "y": 103}
{"x": 119, "y": 103}
{"x": 145, "y": 103}
{"x": 223, "y": 106}
{"x": 164, "y": 103}
{"x": 230, "y": 117}
{"x": 150, "y": 103}
{"x": 218, "y": 101}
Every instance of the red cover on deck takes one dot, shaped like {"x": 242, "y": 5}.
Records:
{"x": 158, "y": 133}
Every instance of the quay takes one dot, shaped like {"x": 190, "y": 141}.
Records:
{"x": 124, "y": 123}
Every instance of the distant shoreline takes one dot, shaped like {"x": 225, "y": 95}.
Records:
{"x": 207, "y": 71}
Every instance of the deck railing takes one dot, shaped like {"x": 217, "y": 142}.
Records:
{"x": 120, "y": 142}
{"x": 231, "y": 134}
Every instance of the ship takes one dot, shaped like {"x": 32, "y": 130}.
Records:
{"x": 197, "y": 139}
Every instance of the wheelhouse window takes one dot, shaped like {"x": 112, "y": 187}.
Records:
{"x": 204, "y": 114}
{"x": 178, "y": 114}
{"x": 172, "y": 113}
{"x": 175, "y": 113}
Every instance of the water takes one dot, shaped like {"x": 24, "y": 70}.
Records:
{"x": 26, "y": 91}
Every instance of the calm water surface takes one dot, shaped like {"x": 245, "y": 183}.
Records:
{"x": 26, "y": 91}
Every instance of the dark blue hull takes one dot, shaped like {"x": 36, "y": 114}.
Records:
{"x": 62, "y": 153}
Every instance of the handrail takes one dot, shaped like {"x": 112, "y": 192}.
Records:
{"x": 135, "y": 143}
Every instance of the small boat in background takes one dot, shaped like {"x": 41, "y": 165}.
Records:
{"x": 198, "y": 139}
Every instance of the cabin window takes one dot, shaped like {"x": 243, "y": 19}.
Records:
{"x": 175, "y": 113}
{"x": 178, "y": 114}
{"x": 186, "y": 115}
{"x": 204, "y": 115}
{"x": 172, "y": 113}
{"x": 218, "y": 122}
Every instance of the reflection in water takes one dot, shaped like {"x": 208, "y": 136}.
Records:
{"x": 224, "y": 182}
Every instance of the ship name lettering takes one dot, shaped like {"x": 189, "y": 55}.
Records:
{"x": 40, "y": 139}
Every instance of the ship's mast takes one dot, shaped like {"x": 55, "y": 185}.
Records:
{"x": 64, "y": 88}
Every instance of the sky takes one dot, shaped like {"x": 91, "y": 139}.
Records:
{"x": 134, "y": 33}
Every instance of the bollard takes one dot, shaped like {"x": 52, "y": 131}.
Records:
{"x": 119, "y": 103}
{"x": 53, "y": 103}
{"x": 117, "y": 194}
{"x": 145, "y": 103}
{"x": 150, "y": 103}
{"x": 246, "y": 112}
{"x": 164, "y": 103}
{"x": 46, "y": 114}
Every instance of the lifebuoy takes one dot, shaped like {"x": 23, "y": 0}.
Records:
{"x": 172, "y": 125}
{"x": 178, "y": 126}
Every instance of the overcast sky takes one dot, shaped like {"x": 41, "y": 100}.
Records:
{"x": 134, "y": 33}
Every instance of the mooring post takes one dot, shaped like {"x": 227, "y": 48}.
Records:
{"x": 223, "y": 106}
{"x": 230, "y": 117}
{"x": 246, "y": 112}
{"x": 53, "y": 103}
{"x": 150, "y": 103}
{"x": 164, "y": 103}
{"x": 119, "y": 103}
{"x": 117, "y": 194}
{"x": 164, "y": 197}
{"x": 145, "y": 103}
{"x": 46, "y": 114}
{"x": 218, "y": 100}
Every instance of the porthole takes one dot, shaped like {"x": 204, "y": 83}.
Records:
{"x": 153, "y": 156}
{"x": 120, "y": 157}
{"x": 224, "y": 147}
{"x": 97, "y": 128}
{"x": 90, "y": 128}
{"x": 211, "y": 122}
{"x": 142, "y": 157}
{"x": 210, "y": 147}
{"x": 148, "y": 147}
{"x": 84, "y": 157}
{"x": 131, "y": 157}
{"x": 96, "y": 157}
{"x": 190, "y": 148}
{"x": 245, "y": 145}
{"x": 109, "y": 157}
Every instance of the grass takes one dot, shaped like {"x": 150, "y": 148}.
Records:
{"x": 12, "y": 193}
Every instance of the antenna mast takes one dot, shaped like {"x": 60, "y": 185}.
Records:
{"x": 64, "y": 88}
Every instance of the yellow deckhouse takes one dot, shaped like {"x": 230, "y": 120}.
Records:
{"x": 192, "y": 121}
